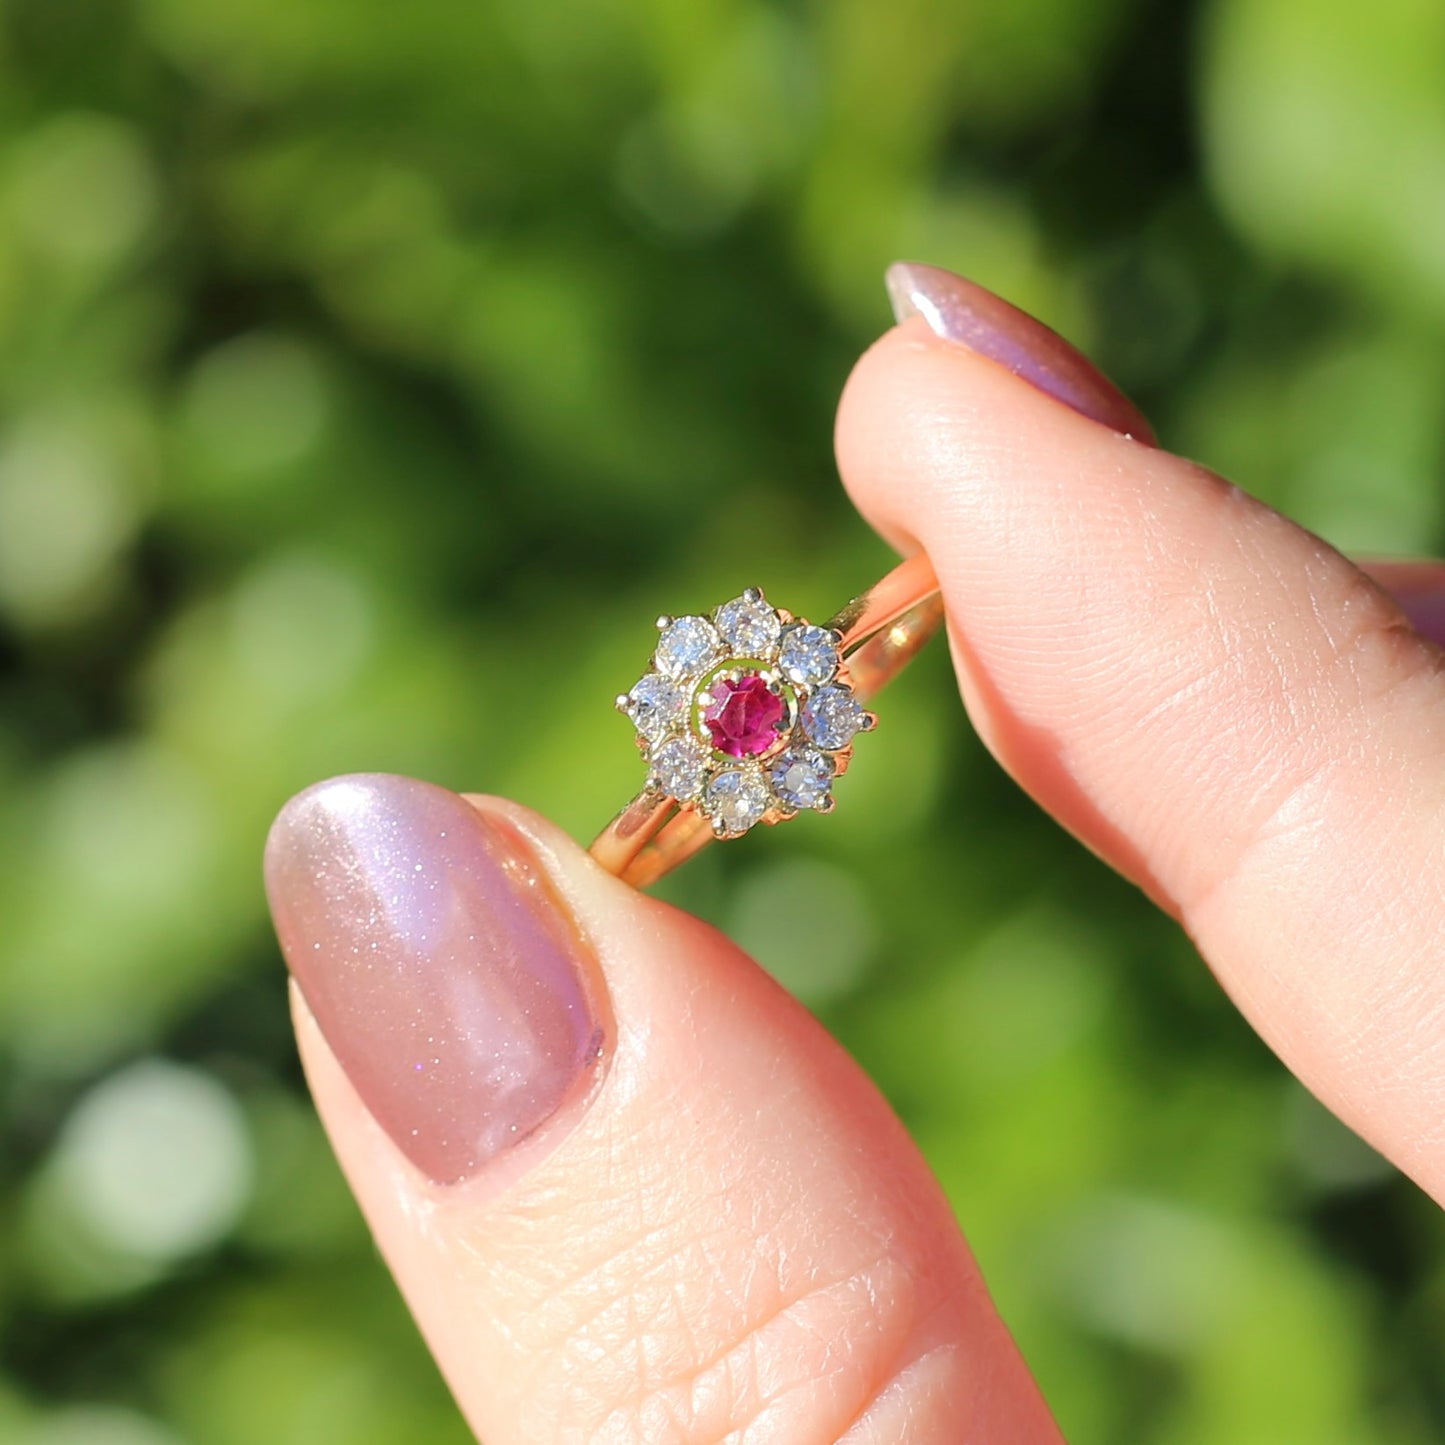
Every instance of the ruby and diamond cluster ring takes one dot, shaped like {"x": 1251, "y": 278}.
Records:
{"x": 746, "y": 715}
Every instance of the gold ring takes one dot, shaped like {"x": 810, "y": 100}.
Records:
{"x": 747, "y": 715}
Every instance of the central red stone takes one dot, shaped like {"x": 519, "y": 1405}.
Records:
{"x": 742, "y": 718}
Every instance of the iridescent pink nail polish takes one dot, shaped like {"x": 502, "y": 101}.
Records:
{"x": 445, "y": 973}
{"x": 960, "y": 311}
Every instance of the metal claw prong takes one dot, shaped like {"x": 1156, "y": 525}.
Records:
{"x": 825, "y": 804}
{"x": 870, "y": 721}
{"x": 719, "y": 828}
{"x": 835, "y": 636}
{"x": 664, "y": 622}
{"x": 752, "y": 594}
{"x": 623, "y": 702}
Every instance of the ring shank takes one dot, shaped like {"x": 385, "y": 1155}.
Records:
{"x": 882, "y": 631}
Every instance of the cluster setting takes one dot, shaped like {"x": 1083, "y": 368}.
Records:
{"x": 746, "y": 715}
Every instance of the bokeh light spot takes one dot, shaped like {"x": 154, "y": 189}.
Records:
{"x": 1148, "y": 1273}
{"x": 65, "y": 513}
{"x": 155, "y": 1162}
{"x": 300, "y": 628}
{"x": 807, "y": 922}
{"x": 128, "y": 825}
{"x": 82, "y": 187}
{"x": 98, "y": 1425}
{"x": 255, "y": 405}
{"x": 1036, "y": 980}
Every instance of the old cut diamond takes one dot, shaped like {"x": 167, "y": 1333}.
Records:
{"x": 654, "y": 705}
{"x": 737, "y": 799}
{"x": 809, "y": 655}
{"x": 679, "y": 765}
{"x": 802, "y": 777}
{"x": 750, "y": 628}
{"x": 831, "y": 717}
{"x": 686, "y": 647}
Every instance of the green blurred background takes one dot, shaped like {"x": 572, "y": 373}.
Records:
{"x": 354, "y": 353}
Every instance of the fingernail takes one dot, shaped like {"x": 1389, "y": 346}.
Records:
{"x": 1419, "y": 588}
{"x": 436, "y": 957}
{"x": 1426, "y": 611}
{"x": 959, "y": 311}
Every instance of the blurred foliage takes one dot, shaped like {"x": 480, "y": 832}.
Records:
{"x": 352, "y": 353}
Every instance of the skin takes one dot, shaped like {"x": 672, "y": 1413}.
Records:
{"x": 1209, "y": 697}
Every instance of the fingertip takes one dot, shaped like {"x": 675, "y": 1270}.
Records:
{"x": 936, "y": 444}
{"x": 1211, "y": 697}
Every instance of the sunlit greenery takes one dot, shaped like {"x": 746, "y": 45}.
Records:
{"x": 354, "y": 352}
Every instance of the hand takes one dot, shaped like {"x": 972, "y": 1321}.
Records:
{"x": 631, "y": 1190}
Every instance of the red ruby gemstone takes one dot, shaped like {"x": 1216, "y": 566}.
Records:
{"x": 742, "y": 718}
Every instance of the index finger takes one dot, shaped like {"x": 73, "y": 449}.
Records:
{"x": 1209, "y": 696}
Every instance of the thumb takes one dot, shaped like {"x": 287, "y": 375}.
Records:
{"x": 630, "y": 1189}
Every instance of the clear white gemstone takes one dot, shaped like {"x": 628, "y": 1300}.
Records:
{"x": 808, "y": 656}
{"x": 686, "y": 647}
{"x": 679, "y": 765}
{"x": 737, "y": 799}
{"x": 831, "y": 717}
{"x": 749, "y": 628}
{"x": 801, "y": 777}
{"x": 654, "y": 705}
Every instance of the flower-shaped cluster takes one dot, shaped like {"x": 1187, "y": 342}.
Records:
{"x": 746, "y": 715}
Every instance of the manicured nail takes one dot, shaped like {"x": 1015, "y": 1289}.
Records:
{"x": 957, "y": 310}
{"x": 440, "y": 964}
